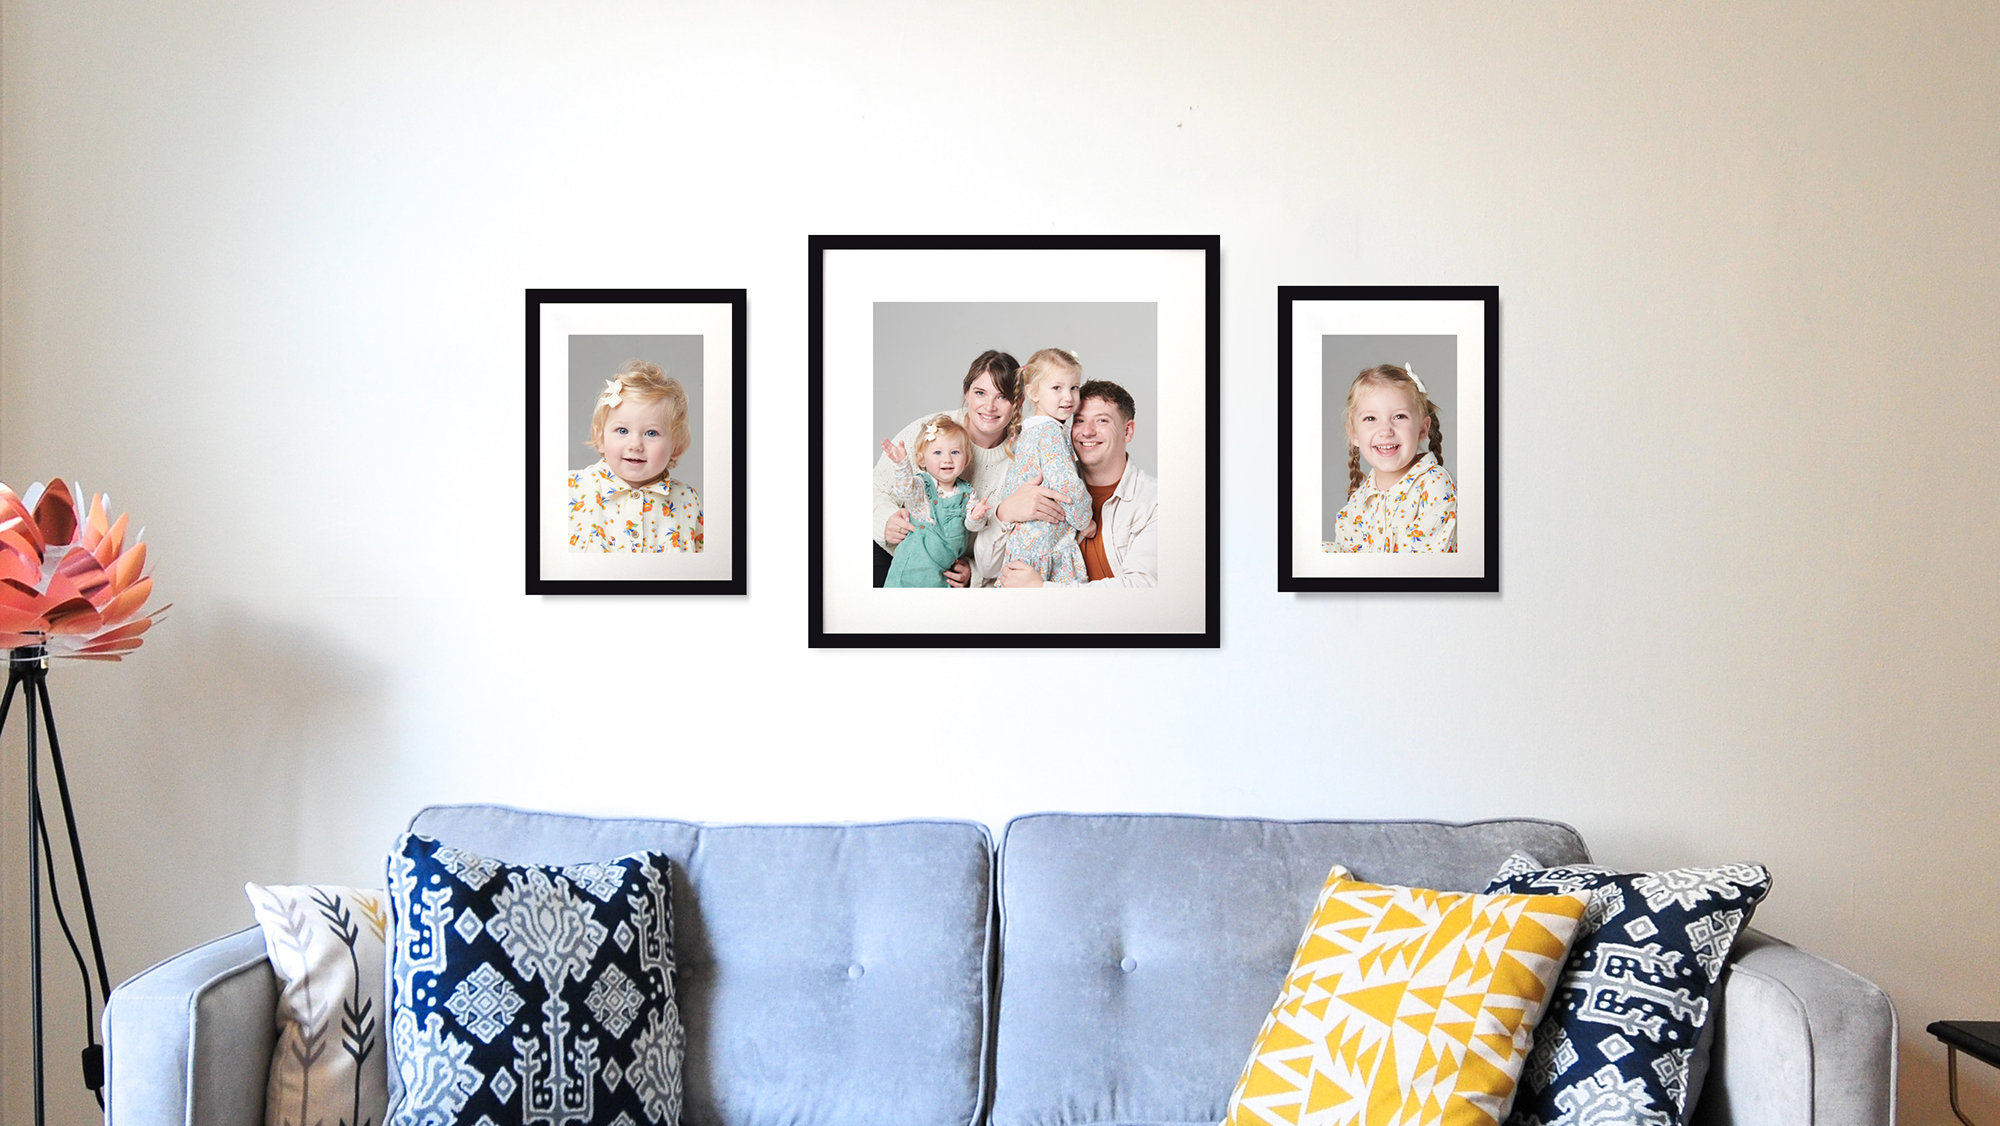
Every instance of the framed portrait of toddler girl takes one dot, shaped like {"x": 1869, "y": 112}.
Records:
{"x": 635, "y": 435}
{"x": 1388, "y": 438}
{"x": 1013, "y": 441}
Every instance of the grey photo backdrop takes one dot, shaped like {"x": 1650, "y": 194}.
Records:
{"x": 594, "y": 359}
{"x": 922, "y": 349}
{"x": 1435, "y": 360}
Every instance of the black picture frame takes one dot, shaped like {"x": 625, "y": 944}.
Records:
{"x": 1467, "y": 315}
{"x": 1180, "y": 273}
{"x": 720, "y": 318}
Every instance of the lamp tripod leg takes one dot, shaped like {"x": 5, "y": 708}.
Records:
{"x": 32, "y": 687}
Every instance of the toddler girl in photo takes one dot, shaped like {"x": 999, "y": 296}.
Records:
{"x": 942, "y": 509}
{"x": 1406, "y": 501}
{"x": 1050, "y": 381}
{"x": 628, "y": 501}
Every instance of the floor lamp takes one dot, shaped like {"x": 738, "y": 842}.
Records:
{"x": 70, "y": 588}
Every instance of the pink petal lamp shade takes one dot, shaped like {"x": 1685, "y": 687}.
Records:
{"x": 72, "y": 586}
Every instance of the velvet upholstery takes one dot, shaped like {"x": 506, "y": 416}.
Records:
{"x": 1799, "y": 1041}
{"x": 190, "y": 1039}
{"x": 830, "y": 975}
{"x": 1142, "y": 952}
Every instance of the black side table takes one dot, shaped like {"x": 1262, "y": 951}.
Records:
{"x": 1979, "y": 1039}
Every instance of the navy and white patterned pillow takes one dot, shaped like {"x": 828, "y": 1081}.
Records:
{"x": 1619, "y": 1041}
{"x": 522, "y": 994}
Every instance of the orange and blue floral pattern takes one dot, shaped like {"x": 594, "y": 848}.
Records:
{"x": 1418, "y": 513}
{"x": 606, "y": 514}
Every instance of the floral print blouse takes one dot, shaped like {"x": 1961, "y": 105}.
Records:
{"x": 606, "y": 514}
{"x": 1418, "y": 513}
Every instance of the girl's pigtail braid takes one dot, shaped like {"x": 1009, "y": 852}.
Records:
{"x": 1437, "y": 432}
{"x": 1014, "y": 425}
{"x": 1353, "y": 469}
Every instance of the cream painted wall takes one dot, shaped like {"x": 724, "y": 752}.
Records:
{"x": 260, "y": 278}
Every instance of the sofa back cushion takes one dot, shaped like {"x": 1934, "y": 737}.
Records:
{"x": 829, "y": 975}
{"x": 1141, "y": 953}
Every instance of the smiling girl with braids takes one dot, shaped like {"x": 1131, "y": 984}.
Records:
{"x": 1406, "y": 501}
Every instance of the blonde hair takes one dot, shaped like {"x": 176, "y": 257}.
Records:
{"x": 943, "y": 429}
{"x": 1040, "y": 366}
{"x": 643, "y": 382}
{"x": 1389, "y": 375}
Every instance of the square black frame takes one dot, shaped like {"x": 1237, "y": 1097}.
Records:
{"x": 1210, "y": 246}
{"x": 738, "y": 427}
{"x": 1488, "y": 580}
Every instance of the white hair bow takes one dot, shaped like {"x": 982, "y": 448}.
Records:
{"x": 1412, "y": 373}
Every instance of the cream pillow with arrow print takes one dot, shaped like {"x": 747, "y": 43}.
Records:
{"x": 326, "y": 946}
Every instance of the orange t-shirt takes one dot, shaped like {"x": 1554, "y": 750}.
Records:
{"x": 1095, "y": 565}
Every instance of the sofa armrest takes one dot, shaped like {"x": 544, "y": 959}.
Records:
{"x": 188, "y": 1042}
{"x": 1799, "y": 1041}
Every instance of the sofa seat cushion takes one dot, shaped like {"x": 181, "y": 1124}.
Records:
{"x": 829, "y": 975}
{"x": 1141, "y": 953}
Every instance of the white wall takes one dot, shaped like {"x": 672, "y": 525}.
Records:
{"x": 260, "y": 277}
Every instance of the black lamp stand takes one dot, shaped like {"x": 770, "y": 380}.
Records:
{"x": 28, "y": 670}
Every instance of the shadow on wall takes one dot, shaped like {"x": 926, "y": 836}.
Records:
{"x": 198, "y": 763}
{"x": 219, "y": 753}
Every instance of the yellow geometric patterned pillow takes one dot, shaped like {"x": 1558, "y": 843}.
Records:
{"x": 1406, "y": 1006}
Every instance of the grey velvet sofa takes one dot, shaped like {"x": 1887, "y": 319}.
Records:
{"x": 1093, "y": 970}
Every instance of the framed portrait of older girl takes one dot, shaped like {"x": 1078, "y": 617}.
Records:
{"x": 1388, "y": 438}
{"x": 1013, "y": 441}
{"x": 635, "y": 436}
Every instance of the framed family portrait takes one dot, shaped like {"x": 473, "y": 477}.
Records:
{"x": 635, "y": 435}
{"x": 1388, "y": 438}
{"x": 1013, "y": 441}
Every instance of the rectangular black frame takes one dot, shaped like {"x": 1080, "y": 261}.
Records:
{"x": 1488, "y": 580}
{"x": 738, "y": 428}
{"x": 1211, "y": 593}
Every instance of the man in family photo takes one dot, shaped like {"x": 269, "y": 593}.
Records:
{"x": 1124, "y": 499}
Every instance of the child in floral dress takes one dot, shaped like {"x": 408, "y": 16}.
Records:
{"x": 628, "y": 501}
{"x": 1051, "y": 381}
{"x": 942, "y": 509}
{"x": 1406, "y": 501}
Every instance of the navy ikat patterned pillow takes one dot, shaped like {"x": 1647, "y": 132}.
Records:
{"x": 1618, "y": 1043}
{"x": 521, "y": 994}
